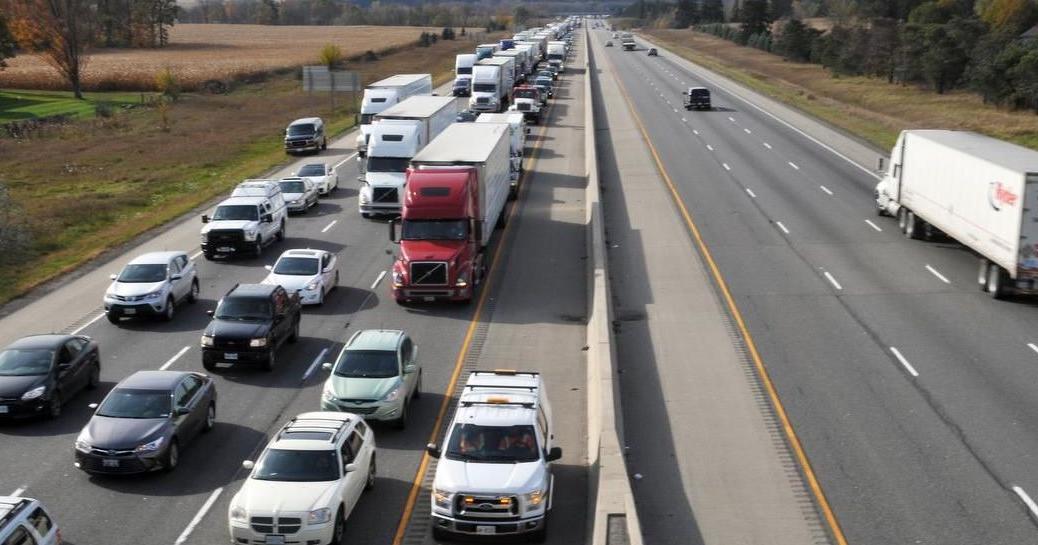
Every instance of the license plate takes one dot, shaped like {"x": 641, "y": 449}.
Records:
{"x": 3, "y": 409}
{"x": 231, "y": 355}
{"x": 107, "y": 462}
{"x": 485, "y": 530}
{"x": 129, "y": 311}
{"x": 275, "y": 540}
{"x": 428, "y": 299}
{"x": 225, "y": 249}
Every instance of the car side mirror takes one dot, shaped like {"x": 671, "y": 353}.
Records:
{"x": 248, "y": 464}
{"x": 269, "y": 267}
{"x": 350, "y": 468}
{"x": 182, "y": 411}
{"x": 432, "y": 450}
{"x": 93, "y": 406}
{"x": 327, "y": 366}
{"x": 113, "y": 276}
{"x": 205, "y": 219}
{"x": 410, "y": 368}
{"x": 881, "y": 163}
{"x": 554, "y": 454}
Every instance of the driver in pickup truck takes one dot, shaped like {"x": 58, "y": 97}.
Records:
{"x": 517, "y": 443}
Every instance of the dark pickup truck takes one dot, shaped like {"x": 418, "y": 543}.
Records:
{"x": 697, "y": 98}
{"x": 249, "y": 324}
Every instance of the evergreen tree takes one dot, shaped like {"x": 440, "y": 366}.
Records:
{"x": 756, "y": 19}
{"x": 711, "y": 11}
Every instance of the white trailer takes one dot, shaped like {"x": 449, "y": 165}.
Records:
{"x": 397, "y": 135}
{"x": 463, "y": 64}
{"x": 557, "y": 55}
{"x": 978, "y": 190}
{"x": 385, "y": 93}
{"x": 517, "y": 136}
{"x": 520, "y": 61}
{"x": 492, "y": 82}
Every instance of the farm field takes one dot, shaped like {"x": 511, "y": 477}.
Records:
{"x": 20, "y": 104}
{"x": 198, "y": 53}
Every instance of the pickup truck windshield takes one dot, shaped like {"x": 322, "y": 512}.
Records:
{"x": 143, "y": 273}
{"x": 367, "y": 364}
{"x": 527, "y": 93}
{"x": 493, "y": 444}
{"x": 483, "y": 87}
{"x": 237, "y": 212}
{"x": 388, "y": 164}
{"x": 304, "y": 129}
{"x": 297, "y": 466}
{"x": 311, "y": 170}
{"x": 246, "y": 309}
{"x": 435, "y": 230}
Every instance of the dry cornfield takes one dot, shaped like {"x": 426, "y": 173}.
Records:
{"x": 199, "y": 53}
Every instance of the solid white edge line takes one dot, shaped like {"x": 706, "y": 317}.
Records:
{"x": 826, "y": 189}
{"x": 726, "y": 167}
{"x": 18, "y": 491}
{"x": 767, "y": 145}
{"x": 88, "y": 324}
{"x": 709, "y": 147}
{"x": 313, "y": 366}
{"x": 751, "y": 193}
{"x": 936, "y": 273}
{"x": 794, "y": 165}
{"x": 381, "y": 275}
{"x": 748, "y": 131}
{"x": 1031, "y": 506}
{"x": 329, "y": 226}
{"x": 783, "y": 227}
{"x": 195, "y": 255}
{"x": 874, "y": 226}
{"x": 1032, "y": 346}
{"x": 904, "y": 362}
{"x": 695, "y": 132}
{"x": 730, "y": 118}
{"x": 198, "y": 517}
{"x": 340, "y": 163}
{"x": 174, "y": 358}
{"x": 832, "y": 280}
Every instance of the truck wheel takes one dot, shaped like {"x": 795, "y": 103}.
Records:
{"x": 112, "y": 317}
{"x": 209, "y": 256}
{"x": 209, "y": 365}
{"x": 439, "y": 534}
{"x": 257, "y": 249}
{"x": 901, "y": 220}
{"x": 997, "y": 279}
{"x": 281, "y": 232}
{"x": 295, "y": 332}
{"x": 982, "y": 274}
{"x": 541, "y": 535}
{"x": 913, "y": 225}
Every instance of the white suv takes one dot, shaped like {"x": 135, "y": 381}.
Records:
{"x": 25, "y": 520}
{"x": 494, "y": 473}
{"x": 306, "y": 482}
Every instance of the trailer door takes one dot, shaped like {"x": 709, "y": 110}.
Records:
{"x": 1027, "y": 261}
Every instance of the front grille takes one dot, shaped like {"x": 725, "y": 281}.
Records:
{"x": 282, "y": 525}
{"x": 429, "y": 273}
{"x": 472, "y": 507}
{"x": 127, "y": 464}
{"x": 297, "y": 143}
{"x": 383, "y": 194}
{"x": 230, "y": 344}
{"x": 351, "y": 405}
{"x": 220, "y": 236}
{"x": 523, "y": 106}
{"x": 483, "y": 100}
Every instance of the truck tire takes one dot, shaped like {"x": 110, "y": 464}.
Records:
{"x": 294, "y": 336}
{"x": 208, "y": 364}
{"x": 439, "y": 534}
{"x": 281, "y": 232}
{"x": 982, "y": 274}
{"x": 209, "y": 256}
{"x": 901, "y": 219}
{"x": 997, "y": 280}
{"x": 541, "y": 535}
{"x": 913, "y": 226}
{"x": 257, "y": 249}
{"x": 502, "y": 220}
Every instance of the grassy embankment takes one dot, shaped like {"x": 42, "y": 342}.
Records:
{"x": 94, "y": 184}
{"x": 872, "y": 109}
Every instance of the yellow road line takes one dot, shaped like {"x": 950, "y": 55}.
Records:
{"x": 780, "y": 410}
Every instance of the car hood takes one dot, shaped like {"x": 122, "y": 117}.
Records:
{"x": 437, "y": 250}
{"x": 385, "y": 179}
{"x": 229, "y": 224}
{"x": 291, "y": 282}
{"x": 122, "y": 433}
{"x": 361, "y": 388}
{"x": 229, "y": 329}
{"x": 317, "y": 180}
{"x": 292, "y": 196}
{"x": 16, "y": 386}
{"x": 133, "y": 289}
{"x": 269, "y": 497}
{"x": 477, "y": 478}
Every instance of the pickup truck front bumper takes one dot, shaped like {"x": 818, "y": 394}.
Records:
{"x": 235, "y": 354}
{"x": 473, "y": 527}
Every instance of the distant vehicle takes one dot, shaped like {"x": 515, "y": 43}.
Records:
{"x": 462, "y": 86}
{"x": 545, "y": 73}
{"x": 305, "y": 134}
{"x": 39, "y": 373}
{"x": 652, "y": 52}
{"x": 466, "y": 116}
{"x": 321, "y": 175}
{"x": 609, "y": 43}
{"x": 527, "y": 100}
{"x": 252, "y": 218}
{"x": 310, "y": 273}
{"x": 306, "y": 482}
{"x": 544, "y": 83}
{"x": 384, "y": 94}
{"x": 24, "y": 521}
{"x": 144, "y": 422}
{"x": 376, "y": 375}
{"x": 616, "y": 34}
{"x": 151, "y": 285}
{"x": 697, "y": 98}
{"x": 249, "y": 324}
{"x": 299, "y": 194}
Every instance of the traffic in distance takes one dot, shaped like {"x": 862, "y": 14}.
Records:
{"x": 443, "y": 179}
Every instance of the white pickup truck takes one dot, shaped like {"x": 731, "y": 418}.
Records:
{"x": 253, "y": 217}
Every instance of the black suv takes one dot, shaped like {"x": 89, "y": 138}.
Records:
{"x": 249, "y": 324}
{"x": 697, "y": 98}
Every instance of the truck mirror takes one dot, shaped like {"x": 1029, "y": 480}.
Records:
{"x": 432, "y": 450}
{"x": 392, "y": 231}
{"x": 554, "y": 454}
{"x": 205, "y": 219}
{"x": 882, "y": 162}
{"x": 477, "y": 229}
{"x": 267, "y": 218}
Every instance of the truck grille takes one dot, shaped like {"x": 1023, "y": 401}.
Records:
{"x": 283, "y": 525}
{"x": 472, "y": 507}
{"x": 523, "y": 106}
{"x": 482, "y": 100}
{"x": 219, "y": 236}
{"x": 384, "y": 194}
{"x": 429, "y": 273}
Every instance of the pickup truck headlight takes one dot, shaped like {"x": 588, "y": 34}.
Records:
{"x": 151, "y": 446}
{"x": 441, "y": 498}
{"x": 319, "y": 516}
{"x": 34, "y": 393}
{"x": 461, "y": 282}
{"x": 258, "y": 343}
{"x": 238, "y": 514}
{"x": 534, "y": 499}
{"x": 207, "y": 340}
{"x": 250, "y": 235}
{"x": 205, "y": 237}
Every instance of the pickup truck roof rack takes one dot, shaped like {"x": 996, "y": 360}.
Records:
{"x": 505, "y": 373}
{"x": 523, "y": 404}
{"x": 504, "y": 386}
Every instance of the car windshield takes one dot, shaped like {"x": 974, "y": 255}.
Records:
{"x": 244, "y": 309}
{"x": 23, "y": 362}
{"x": 143, "y": 273}
{"x": 132, "y": 403}
{"x": 297, "y": 466}
{"x": 292, "y": 187}
{"x": 434, "y": 230}
{"x": 302, "y": 129}
{"x": 502, "y": 444}
{"x": 388, "y": 164}
{"x": 311, "y": 170}
{"x": 237, "y": 212}
{"x": 298, "y": 266}
{"x": 483, "y": 87}
{"x": 367, "y": 364}
{"x": 464, "y": 70}
{"x": 700, "y": 93}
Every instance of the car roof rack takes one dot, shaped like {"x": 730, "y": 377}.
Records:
{"x": 523, "y": 404}
{"x": 16, "y": 507}
{"x": 335, "y": 425}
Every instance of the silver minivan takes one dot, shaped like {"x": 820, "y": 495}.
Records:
{"x": 24, "y": 521}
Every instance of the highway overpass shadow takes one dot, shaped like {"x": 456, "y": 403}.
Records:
{"x": 663, "y": 507}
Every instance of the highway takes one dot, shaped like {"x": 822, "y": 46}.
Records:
{"x": 910, "y": 390}
{"x": 530, "y": 317}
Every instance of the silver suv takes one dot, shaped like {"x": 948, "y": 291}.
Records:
{"x": 151, "y": 285}
{"x": 25, "y": 520}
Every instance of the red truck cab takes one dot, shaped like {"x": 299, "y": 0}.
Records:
{"x": 441, "y": 240}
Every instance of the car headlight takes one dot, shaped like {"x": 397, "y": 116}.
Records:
{"x": 258, "y": 343}
{"x": 250, "y": 235}
{"x": 152, "y": 295}
{"x": 442, "y": 498}
{"x": 238, "y": 514}
{"x": 329, "y": 395}
{"x": 207, "y": 340}
{"x": 34, "y": 393}
{"x": 82, "y": 445}
{"x": 205, "y": 237}
{"x": 534, "y": 499}
{"x": 151, "y": 446}
{"x": 394, "y": 393}
{"x": 320, "y": 516}
{"x": 312, "y": 285}
{"x": 398, "y": 278}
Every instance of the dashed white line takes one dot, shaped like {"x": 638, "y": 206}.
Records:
{"x": 732, "y": 119}
{"x": 904, "y": 362}
{"x": 751, "y": 193}
{"x": 748, "y": 131}
{"x": 726, "y": 167}
{"x": 695, "y": 132}
{"x": 826, "y": 189}
{"x": 198, "y": 517}
{"x": 684, "y": 120}
{"x": 783, "y": 227}
{"x": 340, "y": 163}
{"x": 794, "y": 165}
{"x": 767, "y": 145}
{"x": 381, "y": 275}
{"x": 675, "y": 110}
{"x": 936, "y": 273}
{"x": 832, "y": 280}
{"x": 88, "y": 324}
{"x": 313, "y": 366}
{"x": 329, "y": 226}
{"x": 18, "y": 491}
{"x": 1027, "y": 501}
{"x": 1032, "y": 346}
{"x": 174, "y": 358}
{"x": 709, "y": 147}
{"x": 874, "y": 226}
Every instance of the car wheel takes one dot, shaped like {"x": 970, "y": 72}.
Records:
{"x": 210, "y": 418}
{"x": 281, "y": 232}
{"x": 418, "y": 387}
{"x": 208, "y": 365}
{"x": 170, "y": 310}
{"x": 192, "y": 296}
{"x": 541, "y": 535}
{"x": 209, "y": 256}
{"x": 172, "y": 456}
{"x": 336, "y": 284}
{"x": 372, "y": 471}
{"x": 112, "y": 317}
{"x": 257, "y": 249}
{"x": 54, "y": 406}
{"x": 339, "y": 532}
{"x": 401, "y": 423}
{"x": 365, "y": 215}
{"x": 268, "y": 364}
{"x": 95, "y": 377}
{"x": 294, "y": 337}
{"x": 320, "y": 297}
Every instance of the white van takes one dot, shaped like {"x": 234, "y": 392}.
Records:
{"x": 252, "y": 218}
{"x": 26, "y": 521}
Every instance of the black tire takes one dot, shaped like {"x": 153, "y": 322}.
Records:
{"x": 401, "y": 423}
{"x": 170, "y": 311}
{"x": 257, "y": 248}
{"x": 112, "y": 317}
{"x": 913, "y": 226}
{"x": 209, "y": 256}
{"x": 210, "y": 418}
{"x": 339, "y": 531}
{"x": 541, "y": 535}
{"x": 418, "y": 387}
{"x": 268, "y": 364}
{"x": 324, "y": 144}
{"x": 95, "y": 377}
{"x": 902, "y": 219}
{"x": 372, "y": 473}
{"x": 997, "y": 280}
{"x": 192, "y": 296}
{"x": 281, "y": 232}
{"x": 440, "y": 534}
{"x": 365, "y": 215}
{"x": 208, "y": 365}
{"x": 172, "y": 456}
{"x": 54, "y": 405}
{"x": 294, "y": 336}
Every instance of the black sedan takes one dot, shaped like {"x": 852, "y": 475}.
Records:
{"x": 41, "y": 372}
{"x": 466, "y": 116}
{"x": 144, "y": 422}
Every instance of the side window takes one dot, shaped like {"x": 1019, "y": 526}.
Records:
{"x": 182, "y": 260}
{"x": 194, "y": 384}
{"x": 345, "y": 453}
{"x": 356, "y": 442}
{"x": 174, "y": 267}
{"x": 41, "y": 522}
{"x": 542, "y": 422}
{"x": 20, "y": 536}
{"x": 67, "y": 353}
{"x": 406, "y": 350}
{"x": 181, "y": 397}
{"x": 325, "y": 261}
{"x": 361, "y": 428}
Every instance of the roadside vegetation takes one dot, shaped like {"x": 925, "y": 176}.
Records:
{"x": 30, "y": 104}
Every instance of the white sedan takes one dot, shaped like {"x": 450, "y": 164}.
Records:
{"x": 321, "y": 175}
{"x": 311, "y": 273}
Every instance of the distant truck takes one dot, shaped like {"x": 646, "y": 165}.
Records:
{"x": 252, "y": 218}
{"x": 697, "y": 98}
{"x": 457, "y": 189}
{"x": 492, "y": 82}
{"x": 485, "y": 51}
{"x": 505, "y": 45}
{"x": 398, "y": 134}
{"x": 521, "y": 62}
{"x": 463, "y": 64}
{"x": 977, "y": 190}
{"x": 627, "y": 42}
{"x": 517, "y": 137}
{"x": 557, "y": 55}
{"x": 385, "y": 93}
{"x": 528, "y": 100}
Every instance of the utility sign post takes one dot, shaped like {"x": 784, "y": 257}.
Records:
{"x": 320, "y": 78}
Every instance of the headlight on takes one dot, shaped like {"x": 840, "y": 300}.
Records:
{"x": 442, "y": 498}
{"x": 238, "y": 514}
{"x": 258, "y": 343}
{"x": 207, "y": 340}
{"x": 250, "y": 235}
{"x": 461, "y": 282}
{"x": 205, "y": 237}
{"x": 320, "y": 516}
{"x": 152, "y": 446}
{"x": 364, "y": 197}
{"x": 82, "y": 446}
{"x": 34, "y": 393}
{"x": 534, "y": 499}
{"x": 394, "y": 393}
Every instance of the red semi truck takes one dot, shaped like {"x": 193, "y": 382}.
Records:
{"x": 455, "y": 195}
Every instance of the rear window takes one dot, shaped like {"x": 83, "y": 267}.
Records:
{"x": 699, "y": 93}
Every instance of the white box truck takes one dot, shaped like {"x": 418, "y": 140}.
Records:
{"x": 978, "y": 190}
{"x": 521, "y": 61}
{"x": 463, "y": 64}
{"x": 385, "y": 93}
{"x": 492, "y": 82}
{"x": 397, "y": 135}
{"x": 557, "y": 55}
{"x": 517, "y": 141}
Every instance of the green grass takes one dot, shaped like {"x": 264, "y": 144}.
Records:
{"x": 18, "y": 105}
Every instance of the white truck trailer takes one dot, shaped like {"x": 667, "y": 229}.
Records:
{"x": 977, "y": 190}
{"x": 557, "y": 55}
{"x": 385, "y": 93}
{"x": 397, "y": 135}
{"x": 492, "y": 82}
{"x": 520, "y": 60}
{"x": 517, "y": 142}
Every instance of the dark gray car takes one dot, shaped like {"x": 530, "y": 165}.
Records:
{"x": 144, "y": 422}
